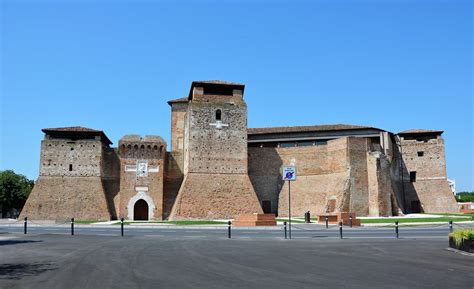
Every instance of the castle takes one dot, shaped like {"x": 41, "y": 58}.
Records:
{"x": 217, "y": 168}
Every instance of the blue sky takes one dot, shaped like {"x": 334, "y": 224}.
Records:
{"x": 112, "y": 65}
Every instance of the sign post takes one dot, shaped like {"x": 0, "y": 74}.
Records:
{"x": 289, "y": 174}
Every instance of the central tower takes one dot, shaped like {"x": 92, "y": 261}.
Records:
{"x": 216, "y": 183}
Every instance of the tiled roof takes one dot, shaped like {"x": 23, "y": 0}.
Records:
{"x": 179, "y": 100}
{"x": 77, "y": 129}
{"x": 421, "y": 131}
{"x": 324, "y": 127}
{"x": 70, "y": 129}
{"x": 218, "y": 82}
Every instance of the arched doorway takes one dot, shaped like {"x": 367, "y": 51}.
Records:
{"x": 140, "y": 211}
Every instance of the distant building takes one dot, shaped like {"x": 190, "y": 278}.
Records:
{"x": 217, "y": 168}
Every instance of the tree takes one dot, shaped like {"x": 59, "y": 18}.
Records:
{"x": 14, "y": 190}
{"x": 465, "y": 197}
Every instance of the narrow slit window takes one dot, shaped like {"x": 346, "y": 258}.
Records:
{"x": 218, "y": 114}
{"x": 412, "y": 177}
{"x": 70, "y": 167}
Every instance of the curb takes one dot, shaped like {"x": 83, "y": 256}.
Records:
{"x": 460, "y": 252}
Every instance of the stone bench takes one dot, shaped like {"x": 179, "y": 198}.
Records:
{"x": 339, "y": 217}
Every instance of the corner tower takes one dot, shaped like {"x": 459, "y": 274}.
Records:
{"x": 423, "y": 176}
{"x": 74, "y": 181}
{"x": 216, "y": 183}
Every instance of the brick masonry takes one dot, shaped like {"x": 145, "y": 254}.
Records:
{"x": 216, "y": 168}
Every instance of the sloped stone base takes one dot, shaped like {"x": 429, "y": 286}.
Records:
{"x": 436, "y": 196}
{"x": 215, "y": 196}
{"x": 63, "y": 198}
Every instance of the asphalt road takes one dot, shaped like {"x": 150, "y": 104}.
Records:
{"x": 299, "y": 231}
{"x": 170, "y": 261}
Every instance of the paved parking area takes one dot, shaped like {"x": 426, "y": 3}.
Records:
{"x": 300, "y": 231}
{"x": 170, "y": 261}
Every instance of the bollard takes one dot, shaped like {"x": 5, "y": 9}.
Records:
{"x": 121, "y": 226}
{"x": 340, "y": 229}
{"x": 229, "y": 230}
{"x": 284, "y": 223}
{"x": 72, "y": 227}
{"x": 396, "y": 228}
{"x": 350, "y": 220}
{"x": 450, "y": 226}
{"x": 327, "y": 222}
{"x": 25, "y": 225}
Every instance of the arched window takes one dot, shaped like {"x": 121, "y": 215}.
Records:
{"x": 218, "y": 114}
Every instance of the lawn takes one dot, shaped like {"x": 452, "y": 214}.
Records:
{"x": 414, "y": 220}
{"x": 292, "y": 221}
{"x": 85, "y": 222}
{"x": 178, "y": 223}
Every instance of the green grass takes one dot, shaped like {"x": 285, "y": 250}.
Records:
{"x": 85, "y": 222}
{"x": 292, "y": 221}
{"x": 413, "y": 220}
{"x": 178, "y": 223}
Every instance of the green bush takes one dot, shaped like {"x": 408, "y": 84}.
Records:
{"x": 465, "y": 197}
{"x": 460, "y": 236}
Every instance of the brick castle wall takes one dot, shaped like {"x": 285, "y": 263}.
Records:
{"x": 425, "y": 157}
{"x": 70, "y": 183}
{"x": 331, "y": 178}
{"x": 150, "y": 151}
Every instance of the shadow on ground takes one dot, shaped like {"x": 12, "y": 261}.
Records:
{"x": 20, "y": 270}
{"x": 15, "y": 242}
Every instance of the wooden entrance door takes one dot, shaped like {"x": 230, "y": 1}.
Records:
{"x": 140, "y": 211}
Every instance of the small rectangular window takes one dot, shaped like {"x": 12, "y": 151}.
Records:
{"x": 70, "y": 167}
{"x": 412, "y": 177}
{"x": 420, "y": 154}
